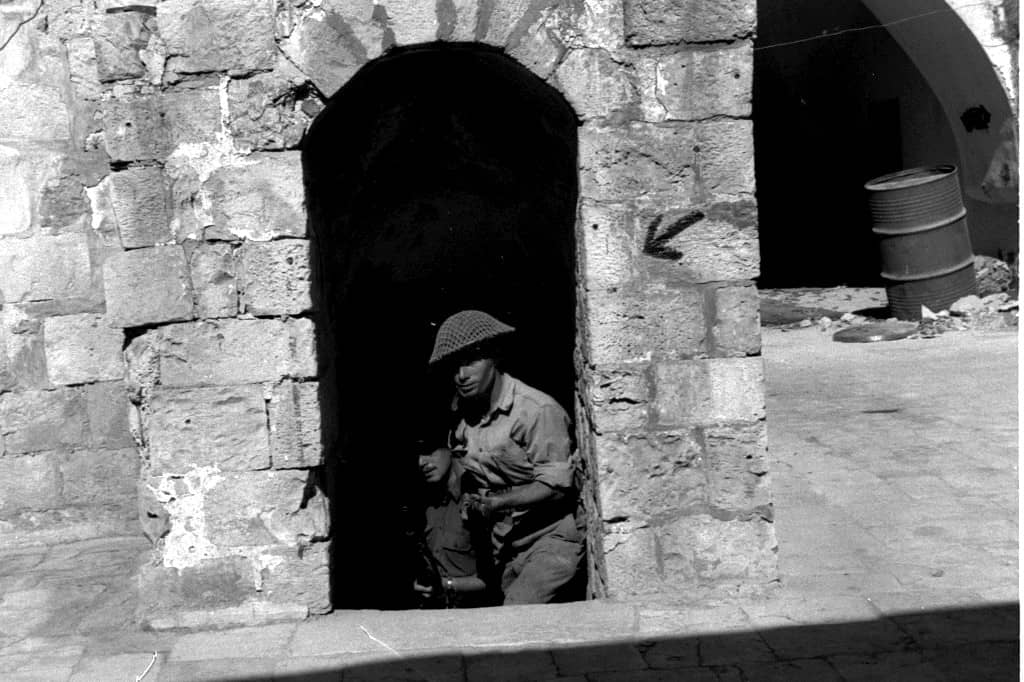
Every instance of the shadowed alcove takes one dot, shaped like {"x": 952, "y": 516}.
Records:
{"x": 439, "y": 178}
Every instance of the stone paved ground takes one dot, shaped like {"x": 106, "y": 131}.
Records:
{"x": 895, "y": 477}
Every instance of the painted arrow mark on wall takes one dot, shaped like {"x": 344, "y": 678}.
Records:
{"x": 656, "y": 244}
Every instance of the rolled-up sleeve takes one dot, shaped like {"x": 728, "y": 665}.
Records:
{"x": 549, "y": 447}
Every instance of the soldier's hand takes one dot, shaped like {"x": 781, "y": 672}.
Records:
{"x": 424, "y": 590}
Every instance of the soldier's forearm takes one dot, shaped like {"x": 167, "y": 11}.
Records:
{"x": 525, "y": 496}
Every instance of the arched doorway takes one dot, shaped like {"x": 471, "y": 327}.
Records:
{"x": 440, "y": 178}
{"x": 846, "y": 91}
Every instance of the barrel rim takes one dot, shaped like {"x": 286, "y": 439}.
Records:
{"x": 937, "y": 172}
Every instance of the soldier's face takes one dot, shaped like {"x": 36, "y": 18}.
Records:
{"x": 434, "y": 466}
{"x": 474, "y": 376}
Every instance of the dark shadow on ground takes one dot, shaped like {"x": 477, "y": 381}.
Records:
{"x": 955, "y": 644}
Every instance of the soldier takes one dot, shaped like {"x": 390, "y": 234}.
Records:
{"x": 515, "y": 443}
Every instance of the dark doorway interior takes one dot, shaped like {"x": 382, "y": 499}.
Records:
{"x": 832, "y": 109}
{"x": 439, "y": 178}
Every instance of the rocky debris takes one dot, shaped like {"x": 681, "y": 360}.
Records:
{"x": 992, "y": 275}
{"x": 968, "y": 305}
{"x": 994, "y": 311}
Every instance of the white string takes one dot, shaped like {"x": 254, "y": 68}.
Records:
{"x": 378, "y": 641}
{"x": 858, "y": 29}
{"x": 148, "y": 668}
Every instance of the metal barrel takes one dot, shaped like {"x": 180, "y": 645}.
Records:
{"x": 921, "y": 223}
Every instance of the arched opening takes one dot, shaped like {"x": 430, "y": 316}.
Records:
{"x": 846, "y": 91}
{"x": 440, "y": 178}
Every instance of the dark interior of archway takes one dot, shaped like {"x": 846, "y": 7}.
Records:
{"x": 831, "y": 112}
{"x": 438, "y": 179}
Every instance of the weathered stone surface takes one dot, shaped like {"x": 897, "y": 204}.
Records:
{"x": 42, "y": 268}
{"x": 294, "y": 410}
{"x": 16, "y": 192}
{"x": 539, "y": 50}
{"x": 236, "y": 36}
{"x": 275, "y": 277}
{"x": 260, "y": 198}
{"x": 661, "y": 22}
{"x": 620, "y": 398}
{"x": 192, "y": 114}
{"x": 726, "y": 160}
{"x": 300, "y": 577}
{"x": 737, "y": 328}
{"x": 411, "y": 22}
{"x": 330, "y": 50}
{"x": 118, "y": 38}
{"x": 269, "y": 111}
{"x": 698, "y": 392}
{"x": 720, "y": 244}
{"x": 646, "y": 475}
{"x": 102, "y": 478}
{"x": 141, "y": 201}
{"x": 41, "y": 114}
{"x": 737, "y": 465}
{"x": 147, "y": 286}
{"x": 22, "y": 352}
{"x": 659, "y": 324}
{"x": 34, "y": 421}
{"x": 993, "y": 275}
{"x": 133, "y": 128}
{"x": 630, "y": 556}
{"x": 697, "y": 84}
{"x": 82, "y": 348}
{"x": 611, "y": 252}
{"x": 703, "y": 549}
{"x": 597, "y": 86}
{"x": 458, "y": 20}
{"x": 220, "y": 426}
{"x": 592, "y": 23}
{"x": 212, "y": 271}
{"x": 106, "y": 404}
{"x": 214, "y": 583}
{"x": 265, "y": 508}
{"x": 641, "y": 160}
{"x": 29, "y": 482}
{"x": 63, "y": 202}
{"x": 230, "y": 352}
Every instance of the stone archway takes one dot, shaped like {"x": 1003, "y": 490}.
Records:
{"x": 439, "y": 178}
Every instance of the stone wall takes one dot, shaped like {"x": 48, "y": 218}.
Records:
{"x": 157, "y": 205}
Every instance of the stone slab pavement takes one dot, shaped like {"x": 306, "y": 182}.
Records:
{"x": 895, "y": 479}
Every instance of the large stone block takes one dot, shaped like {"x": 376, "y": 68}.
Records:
{"x": 34, "y": 421}
{"x": 299, "y": 577}
{"x": 737, "y": 328}
{"x": 539, "y": 49}
{"x": 331, "y": 49}
{"x": 737, "y": 465}
{"x": 22, "y": 351}
{"x": 193, "y": 114}
{"x": 230, "y": 352}
{"x": 212, "y": 270}
{"x": 620, "y": 398}
{"x": 726, "y": 160}
{"x": 44, "y": 268}
{"x": 611, "y": 253}
{"x": 100, "y": 478}
{"x": 295, "y": 440}
{"x": 637, "y": 327}
{"x": 597, "y": 86}
{"x": 224, "y": 427}
{"x": 29, "y": 482}
{"x": 259, "y": 199}
{"x": 106, "y": 404}
{"x": 410, "y": 22}
{"x": 236, "y": 36}
{"x": 35, "y": 112}
{"x": 272, "y": 110}
{"x": 147, "y": 286}
{"x": 266, "y": 508}
{"x": 697, "y": 84}
{"x": 702, "y": 549}
{"x": 214, "y": 583}
{"x": 275, "y": 277}
{"x": 500, "y": 26}
{"x": 642, "y": 160}
{"x": 82, "y": 348}
{"x": 663, "y": 22}
{"x": 141, "y": 200}
{"x": 17, "y": 192}
{"x": 716, "y": 243}
{"x": 631, "y": 560}
{"x": 644, "y": 476}
{"x": 700, "y": 392}
{"x": 118, "y": 38}
{"x": 63, "y": 202}
{"x": 134, "y": 130}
